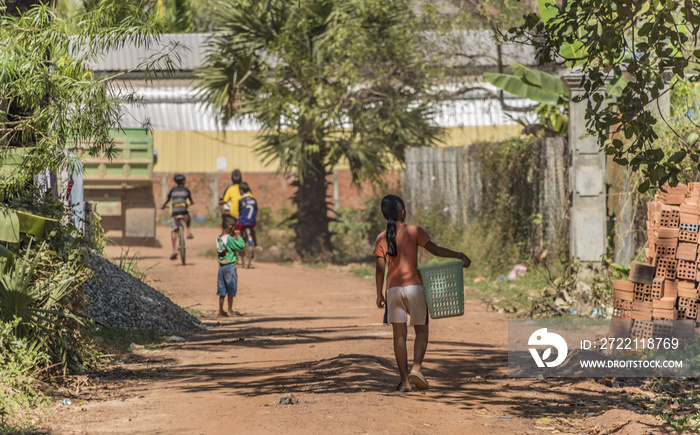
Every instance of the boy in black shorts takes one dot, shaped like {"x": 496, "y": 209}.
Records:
{"x": 182, "y": 199}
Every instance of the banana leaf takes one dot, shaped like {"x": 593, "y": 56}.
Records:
{"x": 514, "y": 85}
{"x": 547, "y": 82}
{"x": 548, "y": 9}
{"x": 13, "y": 222}
{"x": 9, "y": 225}
{"x": 32, "y": 224}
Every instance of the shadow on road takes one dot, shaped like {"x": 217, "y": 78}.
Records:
{"x": 471, "y": 376}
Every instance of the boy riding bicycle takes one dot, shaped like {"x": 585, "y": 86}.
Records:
{"x": 232, "y": 194}
{"x": 182, "y": 199}
{"x": 247, "y": 213}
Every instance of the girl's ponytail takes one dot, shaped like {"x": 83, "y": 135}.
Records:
{"x": 391, "y": 238}
{"x": 392, "y": 207}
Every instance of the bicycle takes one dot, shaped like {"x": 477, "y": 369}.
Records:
{"x": 181, "y": 237}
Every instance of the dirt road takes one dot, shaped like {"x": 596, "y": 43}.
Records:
{"x": 316, "y": 334}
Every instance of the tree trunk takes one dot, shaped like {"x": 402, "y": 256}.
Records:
{"x": 313, "y": 238}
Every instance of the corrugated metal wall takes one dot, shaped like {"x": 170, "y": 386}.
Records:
{"x": 453, "y": 176}
{"x": 188, "y": 137}
{"x": 200, "y": 151}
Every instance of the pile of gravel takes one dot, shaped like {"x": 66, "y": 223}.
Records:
{"x": 119, "y": 300}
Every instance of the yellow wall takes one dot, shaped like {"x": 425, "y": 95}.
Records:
{"x": 459, "y": 136}
{"x": 197, "y": 151}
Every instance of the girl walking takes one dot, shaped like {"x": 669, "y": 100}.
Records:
{"x": 397, "y": 249}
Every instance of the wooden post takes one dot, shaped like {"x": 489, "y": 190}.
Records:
{"x": 87, "y": 222}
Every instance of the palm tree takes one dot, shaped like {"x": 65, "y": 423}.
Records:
{"x": 331, "y": 82}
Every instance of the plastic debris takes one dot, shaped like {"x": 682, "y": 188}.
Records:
{"x": 289, "y": 399}
{"x": 67, "y": 402}
{"x": 518, "y": 271}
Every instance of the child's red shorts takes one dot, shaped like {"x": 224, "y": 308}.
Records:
{"x": 240, "y": 227}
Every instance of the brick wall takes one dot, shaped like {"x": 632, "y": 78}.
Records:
{"x": 270, "y": 189}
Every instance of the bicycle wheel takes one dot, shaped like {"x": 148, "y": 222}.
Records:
{"x": 182, "y": 244}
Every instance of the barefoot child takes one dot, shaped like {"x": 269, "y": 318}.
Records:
{"x": 397, "y": 248}
{"x": 227, "y": 244}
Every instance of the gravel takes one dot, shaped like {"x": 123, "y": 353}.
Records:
{"x": 116, "y": 299}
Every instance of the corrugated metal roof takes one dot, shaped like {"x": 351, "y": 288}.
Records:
{"x": 189, "y": 48}
{"x": 176, "y": 108}
{"x": 474, "y": 48}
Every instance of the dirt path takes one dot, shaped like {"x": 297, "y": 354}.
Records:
{"x": 316, "y": 334}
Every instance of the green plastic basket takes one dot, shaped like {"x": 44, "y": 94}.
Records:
{"x": 443, "y": 284}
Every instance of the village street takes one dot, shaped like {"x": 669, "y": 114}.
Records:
{"x": 315, "y": 333}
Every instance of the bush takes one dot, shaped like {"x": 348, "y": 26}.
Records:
{"x": 274, "y": 232}
{"x": 350, "y": 237}
{"x": 20, "y": 360}
{"x": 40, "y": 306}
{"x": 354, "y": 231}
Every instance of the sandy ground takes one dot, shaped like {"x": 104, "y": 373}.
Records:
{"x": 316, "y": 334}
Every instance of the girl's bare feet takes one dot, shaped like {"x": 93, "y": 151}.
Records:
{"x": 223, "y": 314}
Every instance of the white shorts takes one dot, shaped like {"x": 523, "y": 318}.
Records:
{"x": 401, "y": 301}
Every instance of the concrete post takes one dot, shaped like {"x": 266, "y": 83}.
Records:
{"x": 215, "y": 195}
{"x": 587, "y": 232}
{"x": 88, "y": 223}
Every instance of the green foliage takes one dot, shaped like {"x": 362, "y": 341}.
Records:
{"x": 499, "y": 295}
{"x": 48, "y": 96}
{"x": 363, "y": 271}
{"x": 351, "y": 234}
{"x": 621, "y": 272}
{"x": 274, "y": 229}
{"x": 511, "y": 181}
{"x": 325, "y": 92}
{"x": 554, "y": 118}
{"x": 642, "y": 42}
{"x": 171, "y": 16}
{"x": 685, "y": 103}
{"x": 38, "y": 304}
{"x": 544, "y": 88}
{"x": 536, "y": 85}
{"x": 130, "y": 265}
{"x": 99, "y": 241}
{"x": 121, "y": 339}
{"x": 436, "y": 222}
{"x": 565, "y": 290}
{"x": 509, "y": 225}
{"x": 355, "y": 230}
{"x": 20, "y": 361}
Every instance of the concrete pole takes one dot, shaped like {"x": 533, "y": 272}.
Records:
{"x": 587, "y": 230}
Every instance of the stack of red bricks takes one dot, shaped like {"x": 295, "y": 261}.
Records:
{"x": 663, "y": 290}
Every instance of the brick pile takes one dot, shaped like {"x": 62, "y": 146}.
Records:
{"x": 661, "y": 297}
